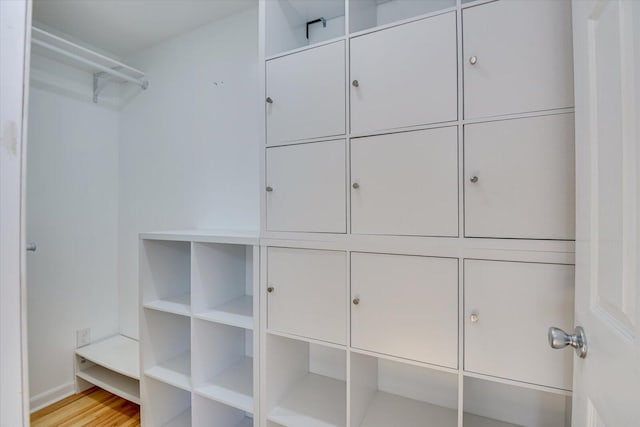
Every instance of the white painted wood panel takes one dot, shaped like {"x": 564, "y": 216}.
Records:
{"x": 525, "y": 178}
{"x": 407, "y": 307}
{"x": 308, "y": 183}
{"x": 524, "y": 60}
{"x": 309, "y": 295}
{"x": 308, "y": 93}
{"x": 406, "y": 75}
{"x": 407, "y": 183}
{"x": 515, "y": 303}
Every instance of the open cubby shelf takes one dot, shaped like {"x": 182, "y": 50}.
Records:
{"x": 197, "y": 325}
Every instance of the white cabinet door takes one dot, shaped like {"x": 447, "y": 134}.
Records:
{"x": 519, "y": 178}
{"x": 306, "y": 187}
{"x": 406, "y": 75}
{"x": 517, "y": 57}
{"x": 405, "y": 306}
{"x": 307, "y": 94}
{"x": 508, "y": 308}
{"x": 405, "y": 183}
{"x": 308, "y": 293}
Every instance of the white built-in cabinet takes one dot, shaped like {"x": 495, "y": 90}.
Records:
{"x": 197, "y": 328}
{"x": 417, "y": 230}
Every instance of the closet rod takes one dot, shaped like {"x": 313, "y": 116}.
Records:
{"x": 140, "y": 82}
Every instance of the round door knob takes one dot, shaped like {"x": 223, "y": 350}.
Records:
{"x": 474, "y": 179}
{"x": 473, "y": 60}
{"x": 270, "y": 289}
{"x": 269, "y": 189}
{"x": 560, "y": 339}
{"x": 355, "y": 185}
{"x": 356, "y": 301}
{"x": 474, "y": 317}
{"x": 269, "y": 100}
{"x": 355, "y": 83}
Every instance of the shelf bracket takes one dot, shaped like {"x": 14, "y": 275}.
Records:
{"x": 97, "y": 86}
{"x": 315, "y": 21}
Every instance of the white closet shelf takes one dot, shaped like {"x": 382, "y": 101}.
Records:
{"x": 120, "y": 385}
{"x": 387, "y": 409}
{"x": 237, "y": 312}
{"x": 182, "y": 420}
{"x": 175, "y": 372}
{"x": 118, "y": 354}
{"x": 471, "y": 420}
{"x": 235, "y": 237}
{"x": 233, "y": 387}
{"x": 180, "y": 304}
{"x": 315, "y": 401}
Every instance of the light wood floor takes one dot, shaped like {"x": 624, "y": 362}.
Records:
{"x": 94, "y": 407}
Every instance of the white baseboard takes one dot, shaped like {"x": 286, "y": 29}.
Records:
{"x": 52, "y": 396}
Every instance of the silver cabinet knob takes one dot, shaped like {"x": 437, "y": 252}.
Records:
{"x": 355, "y": 185}
{"x": 270, "y": 289}
{"x": 560, "y": 339}
{"x": 269, "y": 100}
{"x": 474, "y": 317}
{"x": 474, "y": 179}
{"x": 31, "y": 247}
{"x": 356, "y": 301}
{"x": 355, "y": 83}
{"x": 269, "y": 189}
{"x": 473, "y": 60}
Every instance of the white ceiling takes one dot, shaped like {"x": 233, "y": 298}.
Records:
{"x": 124, "y": 26}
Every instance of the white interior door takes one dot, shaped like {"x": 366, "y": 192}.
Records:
{"x": 606, "y": 36}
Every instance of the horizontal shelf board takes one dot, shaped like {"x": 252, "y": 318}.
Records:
{"x": 402, "y": 360}
{"x": 182, "y": 420}
{"x": 303, "y": 48}
{"x": 237, "y": 312}
{"x": 472, "y": 420}
{"x": 180, "y": 305}
{"x": 233, "y": 387}
{"x": 316, "y": 401}
{"x": 306, "y": 339}
{"x": 392, "y": 410}
{"x": 118, "y": 353}
{"x": 516, "y": 383}
{"x": 175, "y": 372}
{"x": 236, "y": 237}
{"x": 120, "y": 385}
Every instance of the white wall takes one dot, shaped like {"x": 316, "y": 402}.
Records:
{"x": 72, "y": 213}
{"x": 189, "y": 144}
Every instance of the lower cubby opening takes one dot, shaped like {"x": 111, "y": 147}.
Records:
{"x": 214, "y": 414}
{"x": 306, "y": 383}
{"x": 223, "y": 364}
{"x": 493, "y": 404}
{"x": 166, "y": 406}
{"x": 166, "y": 353}
{"x": 388, "y": 393}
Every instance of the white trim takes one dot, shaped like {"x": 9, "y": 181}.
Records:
{"x": 52, "y": 396}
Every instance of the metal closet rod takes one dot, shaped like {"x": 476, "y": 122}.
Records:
{"x": 140, "y": 82}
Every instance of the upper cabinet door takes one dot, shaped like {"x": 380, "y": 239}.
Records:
{"x": 306, "y": 94}
{"x": 517, "y": 57}
{"x": 306, "y": 187}
{"x": 405, "y": 75}
{"x": 519, "y": 178}
{"x": 405, "y": 183}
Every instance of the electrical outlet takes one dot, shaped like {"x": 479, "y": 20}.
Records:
{"x": 83, "y": 337}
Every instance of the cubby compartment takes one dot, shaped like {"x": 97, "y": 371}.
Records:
{"x": 493, "y": 404}
{"x": 165, "y": 405}
{"x": 223, "y": 364}
{"x": 165, "y": 275}
{"x": 166, "y": 351}
{"x": 222, "y": 283}
{"x": 214, "y": 414}
{"x": 387, "y": 393}
{"x": 366, "y": 14}
{"x": 305, "y": 383}
{"x": 293, "y": 24}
